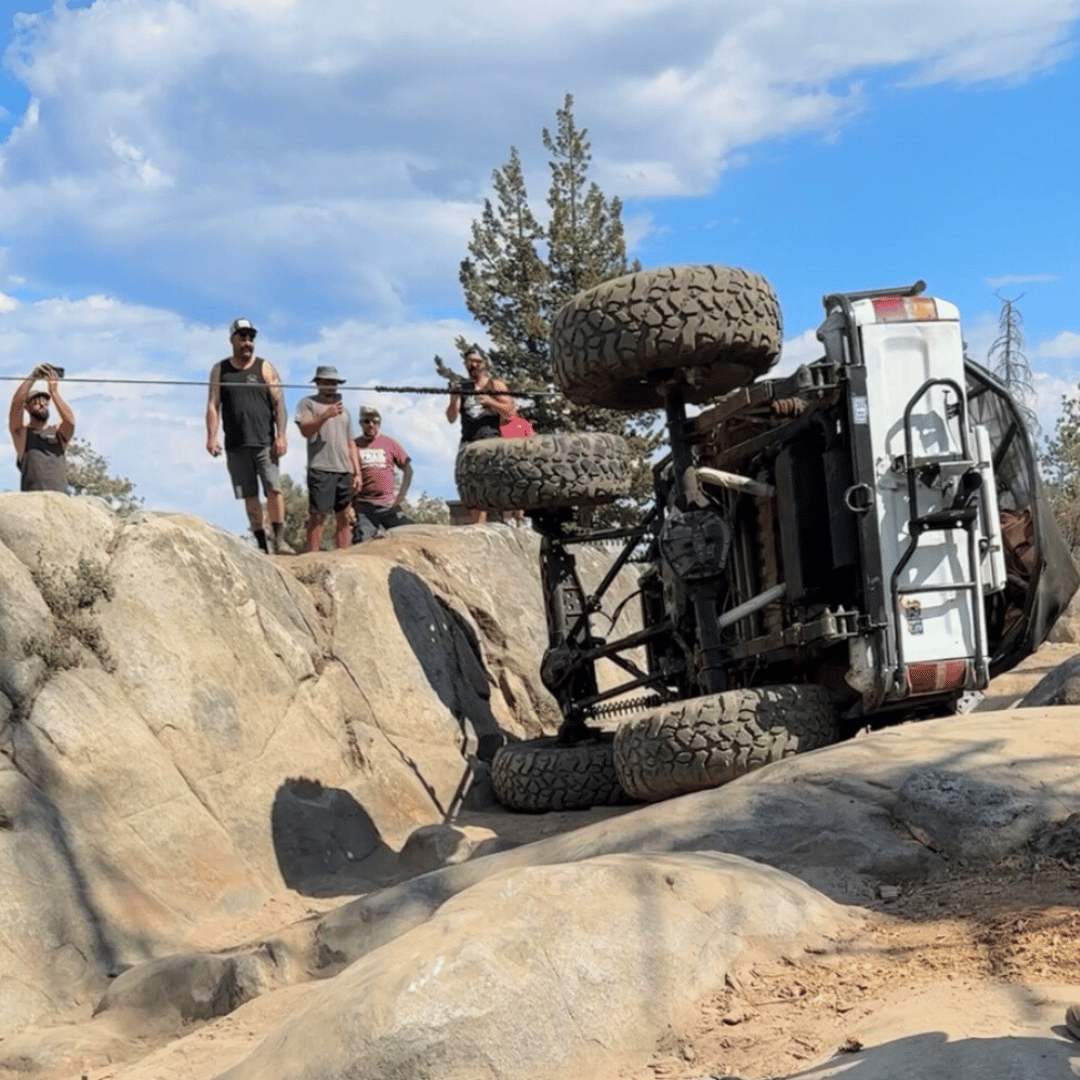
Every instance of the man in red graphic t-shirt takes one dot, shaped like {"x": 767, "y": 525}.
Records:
{"x": 377, "y": 504}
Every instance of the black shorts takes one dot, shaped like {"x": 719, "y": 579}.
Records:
{"x": 329, "y": 491}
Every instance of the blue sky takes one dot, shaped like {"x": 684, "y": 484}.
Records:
{"x": 166, "y": 165}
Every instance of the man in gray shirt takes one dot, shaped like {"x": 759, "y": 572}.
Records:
{"x": 40, "y": 448}
{"x": 333, "y": 465}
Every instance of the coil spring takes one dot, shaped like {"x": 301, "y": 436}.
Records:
{"x": 648, "y": 701}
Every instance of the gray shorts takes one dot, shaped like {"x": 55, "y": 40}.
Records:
{"x": 249, "y": 465}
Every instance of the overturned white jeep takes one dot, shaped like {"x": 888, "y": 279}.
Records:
{"x": 860, "y": 542}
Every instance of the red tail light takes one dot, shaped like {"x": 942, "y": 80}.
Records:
{"x": 933, "y": 677}
{"x": 905, "y": 309}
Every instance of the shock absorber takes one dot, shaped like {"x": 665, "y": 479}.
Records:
{"x": 711, "y": 676}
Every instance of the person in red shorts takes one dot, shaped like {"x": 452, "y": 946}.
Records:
{"x": 377, "y": 504}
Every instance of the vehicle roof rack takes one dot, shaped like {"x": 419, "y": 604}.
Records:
{"x": 870, "y": 294}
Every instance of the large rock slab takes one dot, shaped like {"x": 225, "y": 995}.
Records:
{"x": 894, "y": 806}
{"x": 1059, "y": 687}
{"x": 189, "y": 728}
{"x": 545, "y": 973}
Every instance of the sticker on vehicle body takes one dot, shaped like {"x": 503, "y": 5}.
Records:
{"x": 913, "y": 613}
{"x": 860, "y": 410}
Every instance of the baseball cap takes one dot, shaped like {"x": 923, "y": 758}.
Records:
{"x": 369, "y": 412}
{"x": 39, "y": 391}
{"x": 242, "y": 324}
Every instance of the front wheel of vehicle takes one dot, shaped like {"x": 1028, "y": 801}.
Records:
{"x": 707, "y": 741}
{"x": 542, "y": 774}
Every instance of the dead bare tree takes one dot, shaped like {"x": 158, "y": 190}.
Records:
{"x": 1007, "y": 361}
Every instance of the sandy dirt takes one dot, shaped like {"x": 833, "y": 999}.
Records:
{"x": 1014, "y": 927}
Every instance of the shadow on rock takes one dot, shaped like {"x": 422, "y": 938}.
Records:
{"x": 449, "y": 655}
{"x": 325, "y": 841}
{"x": 931, "y": 1056}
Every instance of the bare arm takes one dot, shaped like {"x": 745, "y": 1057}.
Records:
{"x": 66, "y": 428}
{"x": 309, "y": 426}
{"x": 454, "y": 408}
{"x": 354, "y": 460}
{"x": 213, "y": 412}
{"x": 17, "y": 414}
{"x": 500, "y": 401}
{"x": 406, "y": 480}
{"x": 281, "y": 420}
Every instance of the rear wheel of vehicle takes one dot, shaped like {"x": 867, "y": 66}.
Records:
{"x": 707, "y": 741}
{"x": 541, "y": 774}
{"x": 544, "y": 472}
{"x": 712, "y": 327}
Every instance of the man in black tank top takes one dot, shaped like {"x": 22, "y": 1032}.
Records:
{"x": 246, "y": 402}
{"x": 40, "y": 449}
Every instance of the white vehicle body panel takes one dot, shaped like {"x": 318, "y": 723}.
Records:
{"x": 934, "y": 624}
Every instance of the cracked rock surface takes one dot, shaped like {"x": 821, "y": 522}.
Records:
{"x": 189, "y": 728}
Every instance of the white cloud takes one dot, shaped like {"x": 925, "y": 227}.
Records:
{"x": 1066, "y": 346}
{"x": 803, "y": 349}
{"x": 1018, "y": 279}
{"x": 134, "y": 164}
{"x": 1050, "y": 389}
{"x": 348, "y": 143}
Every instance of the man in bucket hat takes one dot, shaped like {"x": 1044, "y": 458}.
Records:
{"x": 246, "y": 399}
{"x": 39, "y": 448}
{"x": 333, "y": 467}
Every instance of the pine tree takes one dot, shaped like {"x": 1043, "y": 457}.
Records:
{"x": 427, "y": 509}
{"x": 295, "y": 502}
{"x": 506, "y": 281}
{"x": 586, "y": 244}
{"x": 1007, "y": 361}
{"x": 88, "y": 474}
{"x": 1061, "y": 471}
{"x": 520, "y": 272}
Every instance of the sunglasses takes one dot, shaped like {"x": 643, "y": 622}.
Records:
{"x": 246, "y": 335}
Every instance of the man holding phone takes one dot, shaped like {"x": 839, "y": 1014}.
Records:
{"x": 333, "y": 465}
{"x": 40, "y": 449}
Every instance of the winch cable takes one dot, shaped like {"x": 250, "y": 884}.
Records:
{"x": 443, "y": 390}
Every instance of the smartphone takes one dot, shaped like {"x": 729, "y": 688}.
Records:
{"x": 59, "y": 371}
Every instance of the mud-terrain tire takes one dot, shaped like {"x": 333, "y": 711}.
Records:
{"x": 541, "y": 774}
{"x": 707, "y": 741}
{"x": 718, "y": 327}
{"x": 543, "y": 472}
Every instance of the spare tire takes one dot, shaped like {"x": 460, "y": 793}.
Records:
{"x": 542, "y": 774}
{"x": 543, "y": 472}
{"x": 712, "y": 327}
{"x": 707, "y": 741}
